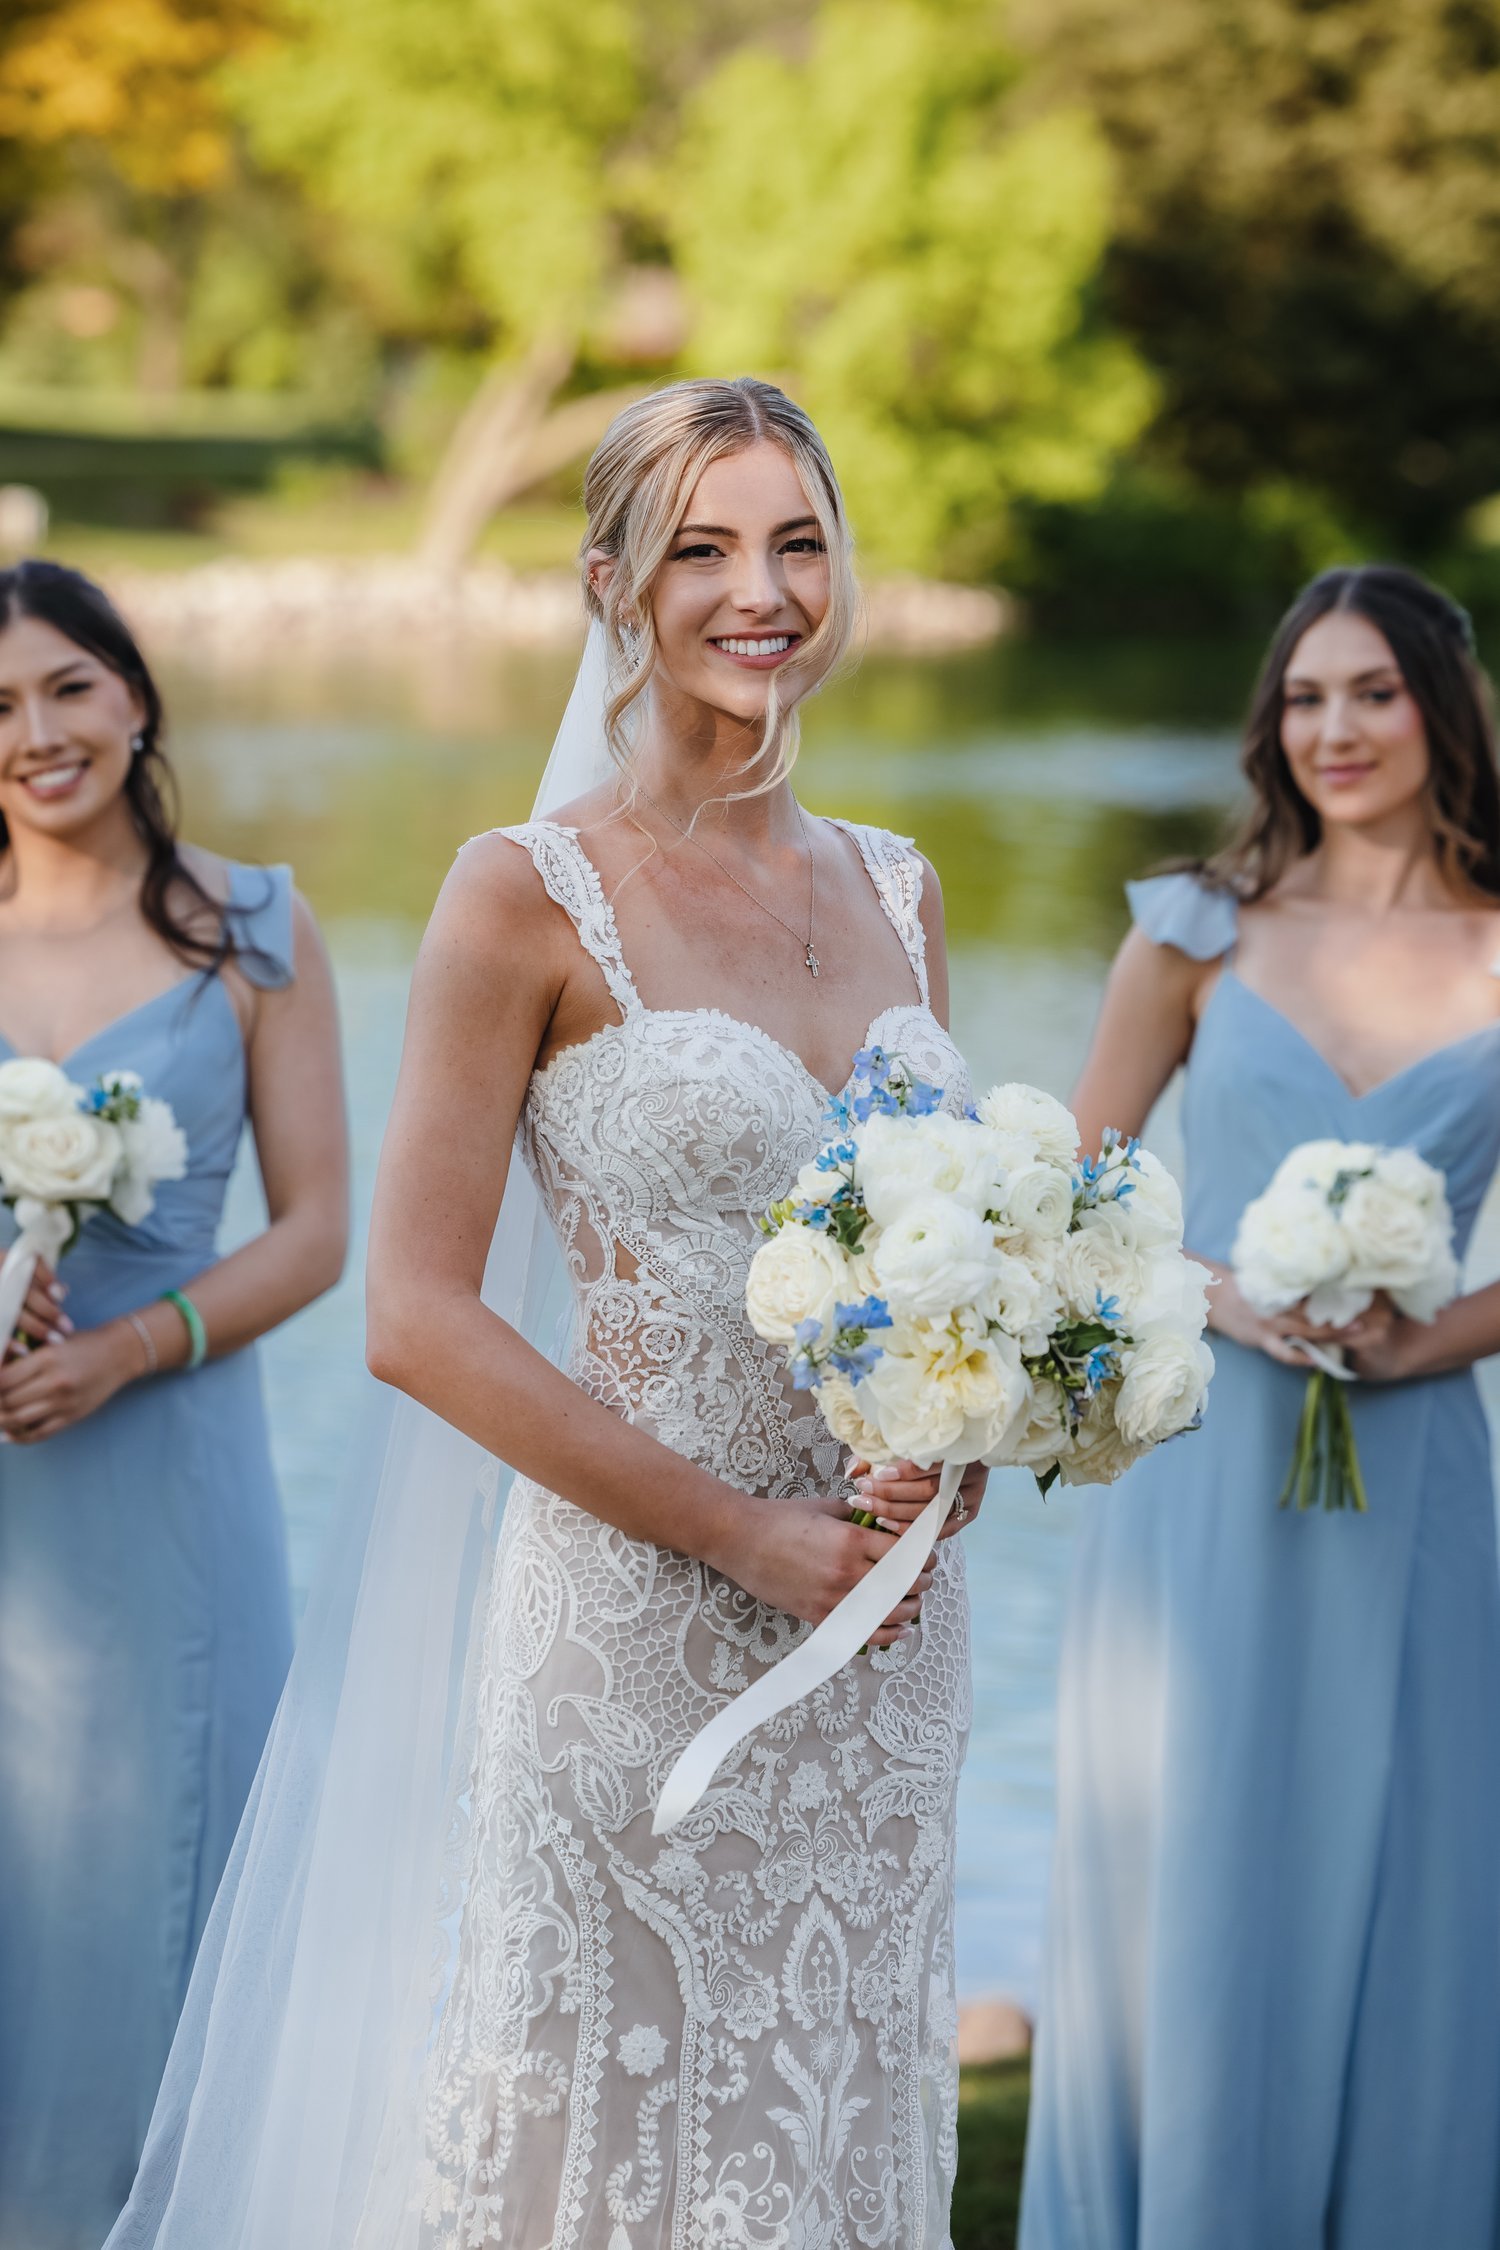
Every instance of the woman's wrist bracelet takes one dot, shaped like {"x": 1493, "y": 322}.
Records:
{"x": 148, "y": 1342}
{"x": 192, "y": 1321}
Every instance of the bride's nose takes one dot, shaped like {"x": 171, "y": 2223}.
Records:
{"x": 758, "y": 585}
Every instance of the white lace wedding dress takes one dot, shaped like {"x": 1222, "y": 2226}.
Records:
{"x": 741, "y": 2033}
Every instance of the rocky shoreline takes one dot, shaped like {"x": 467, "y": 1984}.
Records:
{"x": 228, "y": 613}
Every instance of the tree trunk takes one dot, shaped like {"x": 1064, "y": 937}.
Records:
{"x": 506, "y": 441}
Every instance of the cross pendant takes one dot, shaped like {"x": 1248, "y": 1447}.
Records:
{"x": 812, "y": 960}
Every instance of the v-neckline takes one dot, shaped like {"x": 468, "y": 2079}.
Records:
{"x": 106, "y": 1030}
{"x": 1382, "y": 1085}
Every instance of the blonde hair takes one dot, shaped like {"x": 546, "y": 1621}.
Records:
{"x": 635, "y": 490}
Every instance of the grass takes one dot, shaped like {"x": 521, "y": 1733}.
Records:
{"x": 991, "y": 2137}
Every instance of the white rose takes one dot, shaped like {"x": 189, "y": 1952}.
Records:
{"x": 1423, "y": 1300}
{"x": 938, "y": 1256}
{"x": 30, "y": 1087}
{"x": 68, "y": 1157}
{"x": 799, "y": 1274}
{"x": 1288, "y": 1244}
{"x": 1098, "y": 1265}
{"x": 1411, "y": 1175}
{"x": 155, "y": 1149}
{"x": 838, "y": 1403}
{"x": 1044, "y": 1122}
{"x": 1038, "y": 1199}
{"x": 901, "y": 1158}
{"x": 1164, "y": 1387}
{"x": 1100, "y": 1452}
{"x": 1044, "y": 1437}
{"x": 1172, "y": 1293}
{"x": 1392, "y": 1239}
{"x": 1150, "y": 1211}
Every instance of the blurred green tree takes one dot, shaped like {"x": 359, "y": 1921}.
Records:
{"x": 859, "y": 210}
{"x": 1306, "y": 238}
{"x": 471, "y": 158}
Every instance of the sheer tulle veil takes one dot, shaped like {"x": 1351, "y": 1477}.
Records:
{"x": 291, "y": 2113}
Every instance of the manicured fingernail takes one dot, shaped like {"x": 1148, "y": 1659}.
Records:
{"x": 59, "y": 1335}
{"x": 889, "y": 1474}
{"x": 883, "y": 1523}
{"x": 65, "y": 1325}
{"x": 57, "y": 1290}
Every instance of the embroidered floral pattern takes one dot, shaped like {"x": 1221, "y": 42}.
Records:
{"x": 780, "y": 1968}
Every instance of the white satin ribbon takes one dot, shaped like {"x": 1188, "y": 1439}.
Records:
{"x": 44, "y": 1229}
{"x": 825, "y": 1651}
{"x": 1323, "y": 1356}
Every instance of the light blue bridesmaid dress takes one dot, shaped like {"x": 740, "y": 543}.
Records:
{"x": 144, "y": 1635}
{"x": 1271, "y": 2010}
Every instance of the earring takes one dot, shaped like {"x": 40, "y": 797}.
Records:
{"x": 137, "y": 743}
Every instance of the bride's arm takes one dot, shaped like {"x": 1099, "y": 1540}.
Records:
{"x": 493, "y": 973}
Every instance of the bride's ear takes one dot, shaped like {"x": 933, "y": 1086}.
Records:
{"x": 599, "y": 568}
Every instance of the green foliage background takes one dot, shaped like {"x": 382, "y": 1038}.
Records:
{"x": 1144, "y": 313}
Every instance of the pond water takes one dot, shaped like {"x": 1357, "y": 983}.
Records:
{"x": 1036, "y": 778}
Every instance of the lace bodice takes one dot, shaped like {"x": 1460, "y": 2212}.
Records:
{"x": 656, "y": 1145}
{"x": 740, "y": 2034}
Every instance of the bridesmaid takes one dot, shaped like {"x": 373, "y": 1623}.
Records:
{"x": 1271, "y": 2014}
{"x": 144, "y": 1622}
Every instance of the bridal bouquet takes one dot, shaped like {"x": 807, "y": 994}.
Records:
{"x": 962, "y": 1289}
{"x": 1340, "y": 1220}
{"x": 67, "y": 1151}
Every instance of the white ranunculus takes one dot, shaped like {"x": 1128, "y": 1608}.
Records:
{"x": 799, "y": 1274}
{"x": 1097, "y": 1263}
{"x": 1038, "y": 1117}
{"x": 30, "y": 1087}
{"x": 69, "y": 1156}
{"x": 1038, "y": 1199}
{"x": 1317, "y": 1164}
{"x": 1164, "y": 1387}
{"x": 901, "y": 1158}
{"x": 1288, "y": 1244}
{"x": 155, "y": 1149}
{"x": 936, "y": 1257}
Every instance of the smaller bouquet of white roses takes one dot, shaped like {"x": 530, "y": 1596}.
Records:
{"x": 1339, "y": 1221}
{"x": 67, "y": 1151}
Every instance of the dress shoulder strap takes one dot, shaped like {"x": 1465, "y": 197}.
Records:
{"x": 571, "y": 880}
{"x": 1181, "y": 911}
{"x": 894, "y": 866}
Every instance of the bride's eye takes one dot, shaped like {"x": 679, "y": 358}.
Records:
{"x": 804, "y": 544}
{"x": 696, "y": 553}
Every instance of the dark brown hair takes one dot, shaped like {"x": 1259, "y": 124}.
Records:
{"x": 83, "y": 613}
{"x": 1432, "y": 641}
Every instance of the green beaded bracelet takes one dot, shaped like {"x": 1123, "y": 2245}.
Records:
{"x": 192, "y": 1321}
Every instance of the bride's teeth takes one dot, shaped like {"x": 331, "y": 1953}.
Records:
{"x": 772, "y": 647}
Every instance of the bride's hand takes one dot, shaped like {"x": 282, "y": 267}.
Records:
{"x": 897, "y": 1494}
{"x": 804, "y": 1556}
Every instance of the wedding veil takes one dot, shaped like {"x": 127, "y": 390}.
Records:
{"x": 290, "y": 2115}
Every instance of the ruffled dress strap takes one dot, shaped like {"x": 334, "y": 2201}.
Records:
{"x": 1182, "y": 911}
{"x": 894, "y": 866}
{"x": 571, "y": 881}
{"x": 258, "y": 911}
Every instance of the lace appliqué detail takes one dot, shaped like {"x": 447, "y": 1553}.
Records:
{"x": 740, "y": 2036}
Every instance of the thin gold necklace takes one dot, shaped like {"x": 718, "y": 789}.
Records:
{"x": 809, "y": 957}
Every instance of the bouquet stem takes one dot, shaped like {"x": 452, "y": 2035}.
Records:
{"x": 1325, "y": 1457}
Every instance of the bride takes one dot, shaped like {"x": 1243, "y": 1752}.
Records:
{"x": 455, "y": 1992}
